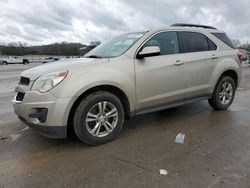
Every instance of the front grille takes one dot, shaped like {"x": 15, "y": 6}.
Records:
{"x": 20, "y": 96}
{"x": 24, "y": 81}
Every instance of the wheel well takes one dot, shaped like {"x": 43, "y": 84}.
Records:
{"x": 112, "y": 89}
{"x": 231, "y": 74}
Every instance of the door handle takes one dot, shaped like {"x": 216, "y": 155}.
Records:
{"x": 214, "y": 56}
{"x": 178, "y": 62}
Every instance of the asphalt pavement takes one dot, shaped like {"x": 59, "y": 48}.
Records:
{"x": 214, "y": 150}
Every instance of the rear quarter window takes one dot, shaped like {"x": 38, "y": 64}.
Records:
{"x": 212, "y": 46}
{"x": 224, "y": 38}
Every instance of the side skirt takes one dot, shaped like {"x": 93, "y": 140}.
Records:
{"x": 166, "y": 106}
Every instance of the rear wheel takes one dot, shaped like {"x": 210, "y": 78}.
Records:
{"x": 25, "y": 62}
{"x": 224, "y": 93}
{"x": 98, "y": 118}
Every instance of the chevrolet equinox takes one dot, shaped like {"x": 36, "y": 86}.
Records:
{"x": 131, "y": 74}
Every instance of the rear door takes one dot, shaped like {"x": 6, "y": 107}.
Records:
{"x": 200, "y": 60}
{"x": 160, "y": 80}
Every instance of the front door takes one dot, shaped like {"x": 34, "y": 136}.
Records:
{"x": 161, "y": 80}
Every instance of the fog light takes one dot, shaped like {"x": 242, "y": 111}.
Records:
{"x": 40, "y": 114}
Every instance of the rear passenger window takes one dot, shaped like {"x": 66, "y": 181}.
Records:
{"x": 194, "y": 42}
{"x": 167, "y": 42}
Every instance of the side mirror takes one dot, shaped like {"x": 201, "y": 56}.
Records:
{"x": 149, "y": 51}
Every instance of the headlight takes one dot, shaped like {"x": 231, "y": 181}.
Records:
{"x": 48, "y": 81}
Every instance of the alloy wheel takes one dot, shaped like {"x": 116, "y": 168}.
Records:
{"x": 226, "y": 93}
{"x": 101, "y": 119}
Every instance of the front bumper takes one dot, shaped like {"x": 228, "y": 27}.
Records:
{"x": 48, "y": 131}
{"x": 43, "y": 112}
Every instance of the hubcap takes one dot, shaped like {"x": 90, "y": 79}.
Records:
{"x": 101, "y": 119}
{"x": 226, "y": 93}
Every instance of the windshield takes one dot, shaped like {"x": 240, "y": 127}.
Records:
{"x": 116, "y": 46}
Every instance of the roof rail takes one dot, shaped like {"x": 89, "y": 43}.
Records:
{"x": 192, "y": 25}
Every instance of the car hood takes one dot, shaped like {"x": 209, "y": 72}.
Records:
{"x": 61, "y": 65}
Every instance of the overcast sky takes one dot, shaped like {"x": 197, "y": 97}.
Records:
{"x": 48, "y": 21}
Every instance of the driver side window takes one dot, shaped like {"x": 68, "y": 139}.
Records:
{"x": 167, "y": 42}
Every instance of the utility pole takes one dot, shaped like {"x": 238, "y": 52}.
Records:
{"x": 57, "y": 49}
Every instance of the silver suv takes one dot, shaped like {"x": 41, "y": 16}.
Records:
{"x": 131, "y": 74}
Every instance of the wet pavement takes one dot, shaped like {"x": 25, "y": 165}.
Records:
{"x": 215, "y": 151}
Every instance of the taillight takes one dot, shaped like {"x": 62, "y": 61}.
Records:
{"x": 239, "y": 56}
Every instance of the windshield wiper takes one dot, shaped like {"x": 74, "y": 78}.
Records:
{"x": 93, "y": 56}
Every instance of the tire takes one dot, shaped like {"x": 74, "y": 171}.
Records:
{"x": 5, "y": 63}
{"x": 220, "y": 94}
{"x": 93, "y": 127}
{"x": 25, "y": 62}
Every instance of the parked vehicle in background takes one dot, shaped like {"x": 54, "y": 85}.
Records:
{"x": 14, "y": 60}
{"x": 248, "y": 58}
{"x": 49, "y": 59}
{"x": 245, "y": 54}
{"x": 2, "y": 63}
{"x": 131, "y": 74}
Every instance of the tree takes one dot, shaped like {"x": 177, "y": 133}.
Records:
{"x": 64, "y": 48}
{"x": 236, "y": 42}
{"x": 94, "y": 43}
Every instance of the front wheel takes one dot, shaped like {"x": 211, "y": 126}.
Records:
{"x": 224, "y": 93}
{"x": 5, "y": 63}
{"x": 25, "y": 62}
{"x": 99, "y": 118}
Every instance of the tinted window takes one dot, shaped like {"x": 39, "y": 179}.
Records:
{"x": 167, "y": 42}
{"x": 194, "y": 42}
{"x": 224, "y": 38}
{"x": 212, "y": 46}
